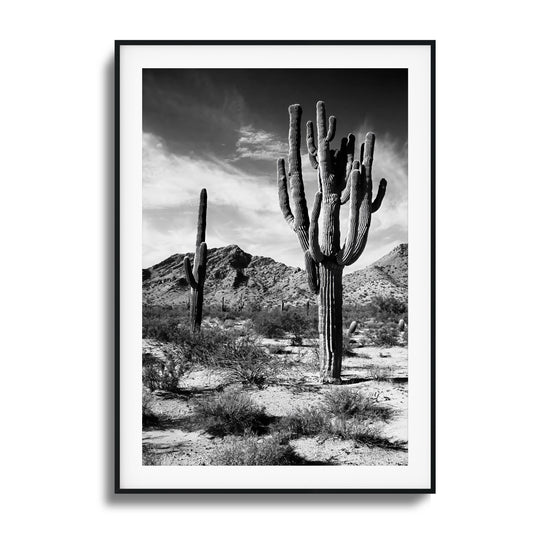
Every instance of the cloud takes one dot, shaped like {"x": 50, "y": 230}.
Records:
{"x": 171, "y": 180}
{"x": 243, "y": 206}
{"x": 258, "y": 144}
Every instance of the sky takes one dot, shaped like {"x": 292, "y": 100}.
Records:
{"x": 224, "y": 129}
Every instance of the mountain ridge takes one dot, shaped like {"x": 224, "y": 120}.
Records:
{"x": 243, "y": 279}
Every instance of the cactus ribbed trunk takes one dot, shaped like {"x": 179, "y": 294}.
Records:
{"x": 197, "y": 301}
{"x": 341, "y": 178}
{"x": 330, "y": 321}
{"x": 196, "y": 275}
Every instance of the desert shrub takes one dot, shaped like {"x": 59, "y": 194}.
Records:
{"x": 246, "y": 360}
{"x": 389, "y": 308}
{"x": 384, "y": 335}
{"x": 381, "y": 309}
{"x": 306, "y": 421}
{"x": 187, "y": 349}
{"x": 238, "y": 353}
{"x": 345, "y": 414}
{"x": 251, "y": 450}
{"x": 149, "y": 417}
{"x": 348, "y": 403}
{"x": 270, "y": 323}
{"x": 163, "y": 374}
{"x": 372, "y": 436}
{"x": 361, "y": 432}
{"x": 231, "y": 413}
{"x": 160, "y": 320}
{"x": 277, "y": 323}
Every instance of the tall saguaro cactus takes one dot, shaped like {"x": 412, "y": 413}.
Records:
{"x": 196, "y": 275}
{"x": 341, "y": 178}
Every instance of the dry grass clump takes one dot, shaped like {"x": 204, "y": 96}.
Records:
{"x": 304, "y": 422}
{"x": 385, "y": 335}
{"x": 345, "y": 414}
{"x": 241, "y": 356}
{"x": 253, "y": 450}
{"x": 371, "y": 436}
{"x": 231, "y": 412}
{"x": 349, "y": 403}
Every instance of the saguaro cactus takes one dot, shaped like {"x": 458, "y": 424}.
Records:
{"x": 196, "y": 275}
{"x": 341, "y": 178}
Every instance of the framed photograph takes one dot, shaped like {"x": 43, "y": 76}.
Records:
{"x": 275, "y": 237}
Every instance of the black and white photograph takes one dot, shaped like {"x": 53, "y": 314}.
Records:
{"x": 275, "y": 267}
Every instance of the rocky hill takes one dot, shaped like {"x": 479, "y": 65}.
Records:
{"x": 242, "y": 279}
{"x": 385, "y": 277}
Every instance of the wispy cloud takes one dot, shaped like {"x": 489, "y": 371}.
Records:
{"x": 243, "y": 207}
{"x": 171, "y": 180}
{"x": 258, "y": 144}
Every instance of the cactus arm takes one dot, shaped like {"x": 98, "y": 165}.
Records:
{"x": 341, "y": 157}
{"x": 345, "y": 196}
{"x": 299, "y": 221}
{"x": 310, "y": 137}
{"x": 314, "y": 247}
{"x": 368, "y": 154}
{"x": 202, "y": 218}
{"x": 296, "y": 184}
{"x": 189, "y": 273}
{"x": 332, "y": 126}
{"x": 311, "y": 146}
{"x": 357, "y": 193}
{"x": 323, "y": 144}
{"x": 312, "y": 276}
{"x": 359, "y": 220}
{"x": 350, "y": 148}
{"x": 295, "y": 161}
{"x": 376, "y": 204}
{"x": 283, "y": 195}
{"x": 346, "y": 193}
{"x": 313, "y": 161}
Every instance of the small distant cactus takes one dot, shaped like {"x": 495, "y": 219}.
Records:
{"x": 282, "y": 305}
{"x": 196, "y": 276}
{"x": 352, "y": 328}
{"x": 401, "y": 324}
{"x": 223, "y": 304}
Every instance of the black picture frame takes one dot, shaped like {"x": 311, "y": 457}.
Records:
{"x": 118, "y": 489}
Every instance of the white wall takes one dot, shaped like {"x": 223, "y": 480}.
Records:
{"x": 56, "y": 130}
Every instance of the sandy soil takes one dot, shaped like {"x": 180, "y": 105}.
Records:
{"x": 377, "y": 372}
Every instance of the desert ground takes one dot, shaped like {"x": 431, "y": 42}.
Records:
{"x": 246, "y": 391}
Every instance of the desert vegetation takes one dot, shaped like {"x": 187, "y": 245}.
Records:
{"x": 253, "y": 375}
{"x": 245, "y": 388}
